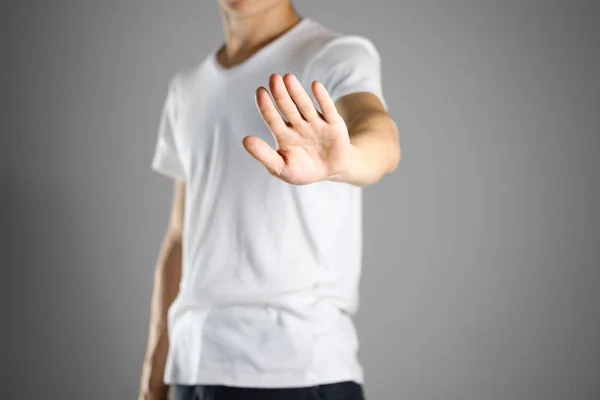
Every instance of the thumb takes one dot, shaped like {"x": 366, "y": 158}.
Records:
{"x": 263, "y": 153}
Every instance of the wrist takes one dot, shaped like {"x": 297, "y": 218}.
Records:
{"x": 154, "y": 393}
{"x": 152, "y": 385}
{"x": 346, "y": 172}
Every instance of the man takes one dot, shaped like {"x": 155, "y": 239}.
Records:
{"x": 258, "y": 273}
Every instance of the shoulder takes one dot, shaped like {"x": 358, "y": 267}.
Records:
{"x": 331, "y": 48}
{"x": 324, "y": 38}
{"x": 348, "y": 48}
{"x": 183, "y": 81}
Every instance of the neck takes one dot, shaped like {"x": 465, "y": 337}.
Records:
{"x": 244, "y": 35}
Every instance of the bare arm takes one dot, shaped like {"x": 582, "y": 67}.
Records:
{"x": 353, "y": 140}
{"x": 167, "y": 276}
{"x": 375, "y": 147}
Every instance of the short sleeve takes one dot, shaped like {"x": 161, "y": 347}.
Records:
{"x": 348, "y": 64}
{"x": 166, "y": 159}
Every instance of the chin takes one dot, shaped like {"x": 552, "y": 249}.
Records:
{"x": 249, "y": 7}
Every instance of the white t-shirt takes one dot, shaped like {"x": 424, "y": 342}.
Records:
{"x": 270, "y": 270}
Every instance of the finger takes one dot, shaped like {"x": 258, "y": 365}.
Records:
{"x": 263, "y": 153}
{"x": 284, "y": 101}
{"x": 269, "y": 113}
{"x": 325, "y": 101}
{"x": 303, "y": 102}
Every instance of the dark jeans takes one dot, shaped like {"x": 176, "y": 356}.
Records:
{"x": 335, "y": 391}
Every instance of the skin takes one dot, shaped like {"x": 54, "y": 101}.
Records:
{"x": 354, "y": 141}
{"x": 167, "y": 275}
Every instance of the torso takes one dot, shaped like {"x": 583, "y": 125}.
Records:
{"x": 270, "y": 270}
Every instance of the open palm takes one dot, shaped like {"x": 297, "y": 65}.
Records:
{"x": 311, "y": 145}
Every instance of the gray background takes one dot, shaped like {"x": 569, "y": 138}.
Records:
{"x": 481, "y": 251}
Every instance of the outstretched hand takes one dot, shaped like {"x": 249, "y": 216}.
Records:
{"x": 311, "y": 146}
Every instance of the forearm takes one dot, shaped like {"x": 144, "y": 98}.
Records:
{"x": 166, "y": 287}
{"x": 375, "y": 149}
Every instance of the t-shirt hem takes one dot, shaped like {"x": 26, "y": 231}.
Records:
{"x": 358, "y": 89}
{"x": 272, "y": 380}
{"x": 166, "y": 169}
